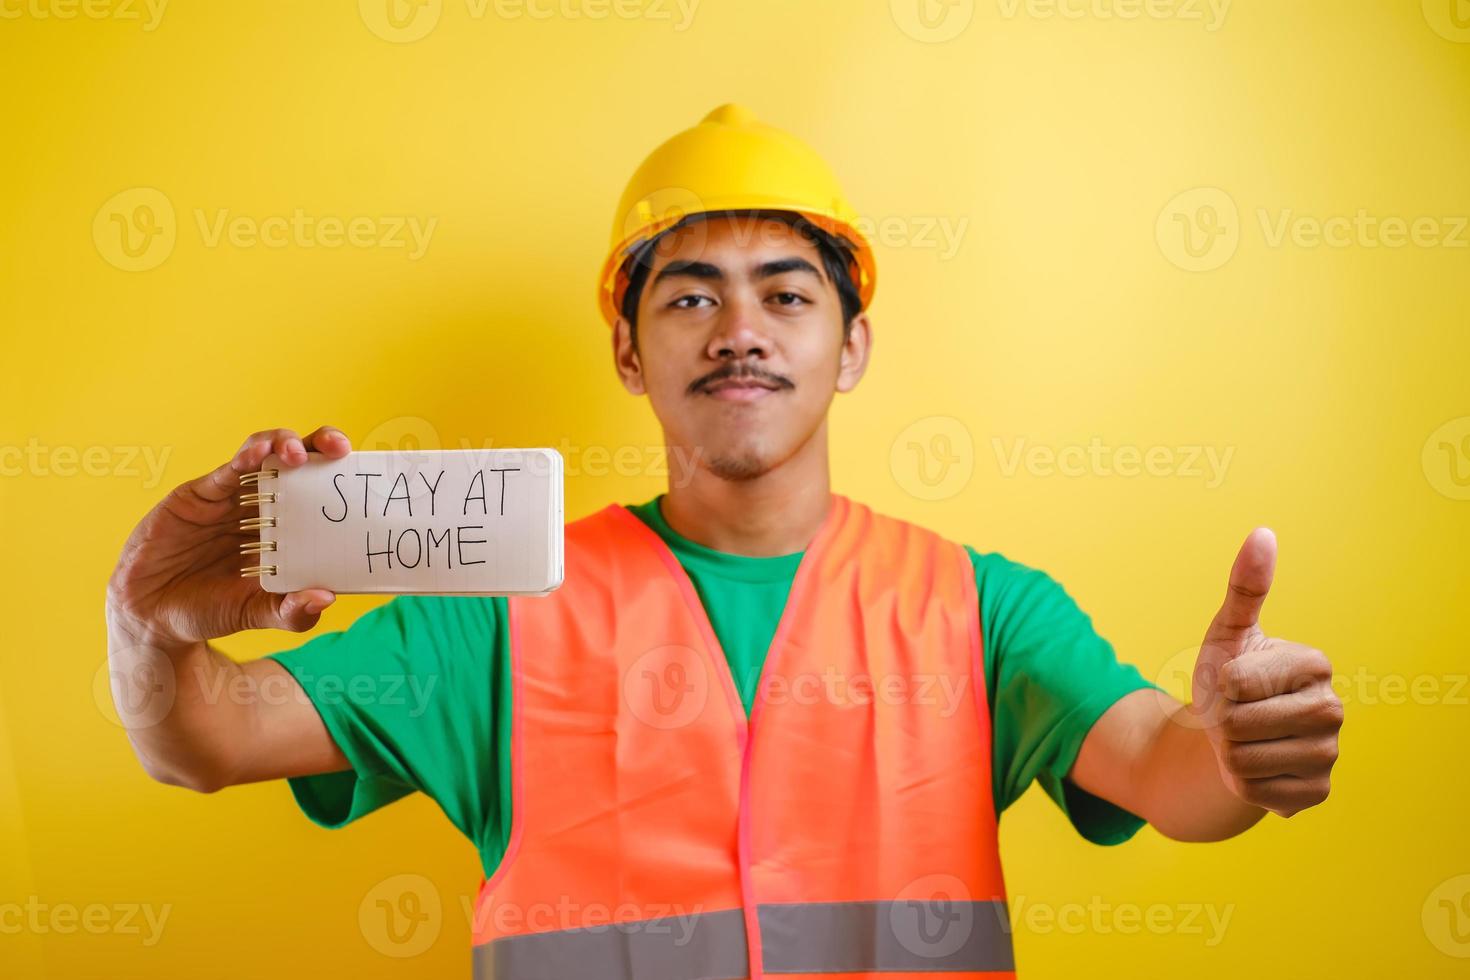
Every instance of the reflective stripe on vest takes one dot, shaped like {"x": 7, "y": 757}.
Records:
{"x": 835, "y": 937}
{"x": 846, "y": 829}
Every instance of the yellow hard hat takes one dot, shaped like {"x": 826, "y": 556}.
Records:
{"x": 730, "y": 161}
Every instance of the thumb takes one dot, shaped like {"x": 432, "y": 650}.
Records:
{"x": 294, "y": 611}
{"x": 1250, "y": 581}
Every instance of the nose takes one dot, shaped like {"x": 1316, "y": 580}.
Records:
{"x": 738, "y": 331}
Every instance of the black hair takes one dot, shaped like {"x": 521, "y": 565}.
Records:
{"x": 835, "y": 250}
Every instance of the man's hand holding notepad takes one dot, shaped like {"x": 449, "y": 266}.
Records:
{"x": 450, "y": 522}
{"x": 308, "y": 518}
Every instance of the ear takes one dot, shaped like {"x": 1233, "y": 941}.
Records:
{"x": 854, "y": 355}
{"x": 626, "y": 357}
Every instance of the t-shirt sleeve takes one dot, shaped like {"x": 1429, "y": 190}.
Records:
{"x": 408, "y": 693}
{"x": 1049, "y": 677}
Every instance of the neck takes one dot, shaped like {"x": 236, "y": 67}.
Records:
{"x": 776, "y": 513}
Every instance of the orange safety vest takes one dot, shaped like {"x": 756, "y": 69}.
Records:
{"x": 846, "y": 830}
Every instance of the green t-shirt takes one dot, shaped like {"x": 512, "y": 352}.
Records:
{"x": 416, "y": 692}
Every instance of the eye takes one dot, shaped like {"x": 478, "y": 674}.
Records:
{"x": 681, "y": 304}
{"x": 789, "y": 296}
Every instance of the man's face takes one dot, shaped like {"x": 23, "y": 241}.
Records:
{"x": 740, "y": 343}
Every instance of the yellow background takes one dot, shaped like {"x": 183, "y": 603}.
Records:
{"x": 1066, "y": 314}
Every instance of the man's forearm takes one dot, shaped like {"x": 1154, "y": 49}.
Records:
{"x": 1182, "y": 790}
{"x": 162, "y": 692}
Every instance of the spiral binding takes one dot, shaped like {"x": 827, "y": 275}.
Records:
{"x": 255, "y": 499}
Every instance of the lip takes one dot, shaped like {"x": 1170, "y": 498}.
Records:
{"x": 739, "y": 391}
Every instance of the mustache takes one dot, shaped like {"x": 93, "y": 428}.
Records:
{"x": 739, "y": 372}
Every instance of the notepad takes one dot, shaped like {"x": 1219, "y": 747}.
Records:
{"x": 430, "y": 522}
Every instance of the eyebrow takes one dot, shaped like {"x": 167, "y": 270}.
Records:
{"x": 713, "y": 273}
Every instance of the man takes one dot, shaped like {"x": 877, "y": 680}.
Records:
{"x": 755, "y": 708}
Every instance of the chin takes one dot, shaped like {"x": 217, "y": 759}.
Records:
{"x": 738, "y": 467}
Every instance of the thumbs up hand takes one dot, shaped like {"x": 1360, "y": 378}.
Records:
{"x": 1267, "y": 705}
